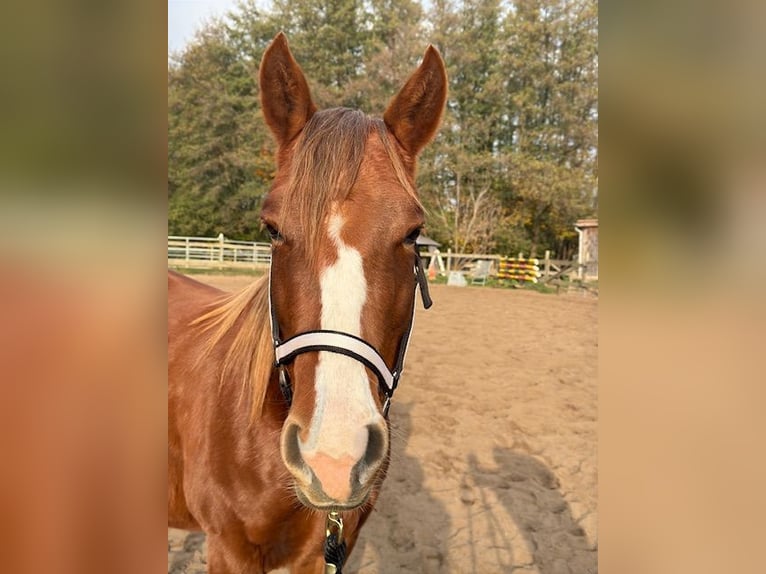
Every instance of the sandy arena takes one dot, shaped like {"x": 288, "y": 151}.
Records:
{"x": 494, "y": 442}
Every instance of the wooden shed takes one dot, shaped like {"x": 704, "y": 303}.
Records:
{"x": 587, "y": 252}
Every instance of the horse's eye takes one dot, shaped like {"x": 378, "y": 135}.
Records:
{"x": 273, "y": 232}
{"x": 412, "y": 237}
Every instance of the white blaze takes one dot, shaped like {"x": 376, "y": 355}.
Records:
{"x": 344, "y": 404}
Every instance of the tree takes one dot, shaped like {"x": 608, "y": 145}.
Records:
{"x": 551, "y": 67}
{"x": 461, "y": 172}
{"x": 219, "y": 163}
{"x": 514, "y": 164}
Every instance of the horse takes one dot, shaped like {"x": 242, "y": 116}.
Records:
{"x": 278, "y": 395}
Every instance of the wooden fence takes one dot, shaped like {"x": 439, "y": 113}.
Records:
{"x": 548, "y": 269}
{"x": 217, "y": 252}
{"x": 220, "y": 252}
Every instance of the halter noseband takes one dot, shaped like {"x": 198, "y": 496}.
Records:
{"x": 346, "y": 344}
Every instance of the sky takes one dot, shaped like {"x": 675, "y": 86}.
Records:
{"x": 186, "y": 16}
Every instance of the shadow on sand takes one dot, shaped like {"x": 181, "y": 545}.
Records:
{"x": 529, "y": 493}
{"x": 408, "y": 527}
{"x": 186, "y": 552}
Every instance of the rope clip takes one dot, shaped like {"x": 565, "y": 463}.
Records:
{"x": 334, "y": 522}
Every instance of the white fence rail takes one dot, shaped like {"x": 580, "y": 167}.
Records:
{"x": 220, "y": 252}
{"x": 217, "y": 252}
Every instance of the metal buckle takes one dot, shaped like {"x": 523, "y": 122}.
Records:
{"x": 386, "y": 406}
{"x": 333, "y": 527}
{"x": 284, "y": 385}
{"x": 334, "y": 522}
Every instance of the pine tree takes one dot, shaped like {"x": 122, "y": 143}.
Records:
{"x": 219, "y": 163}
{"x": 513, "y": 166}
{"x": 550, "y": 64}
{"x": 461, "y": 171}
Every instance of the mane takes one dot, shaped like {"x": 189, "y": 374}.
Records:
{"x": 250, "y": 356}
{"x": 324, "y": 169}
{"x": 326, "y": 164}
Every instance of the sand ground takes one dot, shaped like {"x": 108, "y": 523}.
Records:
{"x": 494, "y": 443}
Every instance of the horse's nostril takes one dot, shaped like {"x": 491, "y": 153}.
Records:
{"x": 376, "y": 444}
{"x": 374, "y": 454}
{"x": 290, "y": 449}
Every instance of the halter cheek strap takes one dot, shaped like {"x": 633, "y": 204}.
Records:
{"x": 347, "y": 344}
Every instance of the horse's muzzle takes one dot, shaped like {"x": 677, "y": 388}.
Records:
{"x": 335, "y": 482}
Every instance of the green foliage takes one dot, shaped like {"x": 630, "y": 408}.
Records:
{"x": 219, "y": 158}
{"x": 513, "y": 167}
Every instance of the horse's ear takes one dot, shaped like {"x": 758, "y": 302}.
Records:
{"x": 414, "y": 114}
{"x": 285, "y": 97}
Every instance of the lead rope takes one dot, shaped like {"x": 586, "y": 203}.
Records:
{"x": 334, "y": 545}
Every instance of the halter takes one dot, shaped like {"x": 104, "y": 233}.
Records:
{"x": 347, "y": 344}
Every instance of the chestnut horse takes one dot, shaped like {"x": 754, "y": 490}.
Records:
{"x": 278, "y": 394}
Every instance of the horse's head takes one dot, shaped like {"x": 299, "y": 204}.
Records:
{"x": 344, "y": 216}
